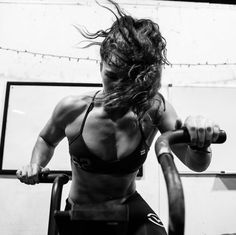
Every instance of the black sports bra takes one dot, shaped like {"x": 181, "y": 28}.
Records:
{"x": 83, "y": 158}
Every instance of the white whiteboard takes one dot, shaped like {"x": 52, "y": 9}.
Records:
{"x": 216, "y": 103}
{"x": 27, "y": 109}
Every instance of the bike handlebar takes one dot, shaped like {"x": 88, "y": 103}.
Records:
{"x": 168, "y": 138}
{"x": 172, "y": 178}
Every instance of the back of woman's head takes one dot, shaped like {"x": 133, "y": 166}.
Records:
{"x": 135, "y": 48}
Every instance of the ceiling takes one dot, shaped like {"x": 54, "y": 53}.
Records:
{"x": 210, "y": 1}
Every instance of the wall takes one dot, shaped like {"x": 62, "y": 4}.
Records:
{"x": 39, "y": 43}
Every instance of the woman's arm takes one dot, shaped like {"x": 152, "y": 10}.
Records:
{"x": 48, "y": 139}
{"x": 46, "y": 143}
{"x": 197, "y": 155}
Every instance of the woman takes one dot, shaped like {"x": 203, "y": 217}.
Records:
{"x": 110, "y": 132}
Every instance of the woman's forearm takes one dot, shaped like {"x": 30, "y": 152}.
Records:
{"x": 198, "y": 159}
{"x": 194, "y": 158}
{"x": 42, "y": 152}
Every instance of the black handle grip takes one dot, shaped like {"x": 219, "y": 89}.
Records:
{"x": 49, "y": 177}
{"x": 222, "y": 137}
{"x": 182, "y": 136}
{"x": 220, "y": 140}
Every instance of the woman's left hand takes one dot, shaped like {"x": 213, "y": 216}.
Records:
{"x": 202, "y": 131}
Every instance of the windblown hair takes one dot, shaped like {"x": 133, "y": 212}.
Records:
{"x": 136, "y": 48}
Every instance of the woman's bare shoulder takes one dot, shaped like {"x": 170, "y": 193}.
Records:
{"x": 157, "y": 109}
{"x": 71, "y": 106}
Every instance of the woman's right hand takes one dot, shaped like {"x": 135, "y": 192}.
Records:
{"x": 29, "y": 174}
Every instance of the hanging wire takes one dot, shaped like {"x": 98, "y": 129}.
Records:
{"x": 70, "y": 58}
{"x": 43, "y": 55}
{"x": 200, "y": 64}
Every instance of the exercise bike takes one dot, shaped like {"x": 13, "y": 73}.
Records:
{"x": 88, "y": 220}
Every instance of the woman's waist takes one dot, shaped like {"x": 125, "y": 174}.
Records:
{"x": 85, "y": 199}
{"x": 96, "y": 188}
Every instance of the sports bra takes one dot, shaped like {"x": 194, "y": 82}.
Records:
{"x": 83, "y": 158}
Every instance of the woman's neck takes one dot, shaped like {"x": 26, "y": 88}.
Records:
{"x": 114, "y": 114}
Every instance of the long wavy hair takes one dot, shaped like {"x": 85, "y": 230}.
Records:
{"x": 136, "y": 48}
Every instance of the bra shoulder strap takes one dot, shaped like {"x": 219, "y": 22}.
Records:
{"x": 87, "y": 112}
{"x": 91, "y": 105}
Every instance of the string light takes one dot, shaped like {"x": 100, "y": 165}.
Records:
{"x": 202, "y": 64}
{"x": 70, "y": 58}
{"x": 43, "y": 55}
